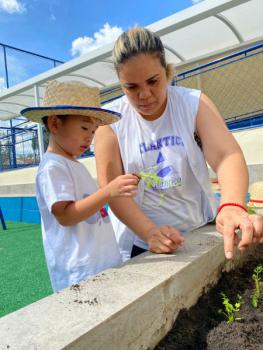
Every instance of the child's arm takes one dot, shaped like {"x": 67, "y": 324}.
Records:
{"x": 71, "y": 213}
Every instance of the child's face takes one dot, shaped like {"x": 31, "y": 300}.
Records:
{"x": 74, "y": 134}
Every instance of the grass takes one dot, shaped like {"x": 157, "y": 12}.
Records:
{"x": 23, "y": 273}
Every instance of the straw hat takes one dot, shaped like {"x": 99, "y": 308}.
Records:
{"x": 74, "y": 98}
{"x": 256, "y": 194}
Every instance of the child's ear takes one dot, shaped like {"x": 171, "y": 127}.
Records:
{"x": 53, "y": 123}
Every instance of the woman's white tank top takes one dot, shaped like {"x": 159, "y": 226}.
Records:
{"x": 177, "y": 190}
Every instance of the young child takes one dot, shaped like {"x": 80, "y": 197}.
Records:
{"x": 77, "y": 234}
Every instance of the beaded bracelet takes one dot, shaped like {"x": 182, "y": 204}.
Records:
{"x": 232, "y": 205}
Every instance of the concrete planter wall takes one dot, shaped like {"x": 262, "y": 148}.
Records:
{"x": 129, "y": 307}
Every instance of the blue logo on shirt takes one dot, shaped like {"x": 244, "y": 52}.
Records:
{"x": 168, "y": 176}
{"x": 166, "y": 141}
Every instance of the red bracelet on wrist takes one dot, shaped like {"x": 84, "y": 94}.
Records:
{"x": 232, "y": 205}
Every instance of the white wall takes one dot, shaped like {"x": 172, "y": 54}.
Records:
{"x": 251, "y": 142}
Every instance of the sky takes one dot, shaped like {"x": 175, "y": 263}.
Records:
{"x": 65, "y": 29}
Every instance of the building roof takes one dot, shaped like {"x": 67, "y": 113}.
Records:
{"x": 204, "y": 30}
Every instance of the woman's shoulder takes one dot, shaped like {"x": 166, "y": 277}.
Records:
{"x": 118, "y": 104}
{"x": 185, "y": 103}
{"x": 122, "y": 106}
{"x": 183, "y": 92}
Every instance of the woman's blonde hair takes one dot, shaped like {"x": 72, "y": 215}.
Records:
{"x": 137, "y": 41}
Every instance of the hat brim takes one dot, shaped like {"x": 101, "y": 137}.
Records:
{"x": 36, "y": 114}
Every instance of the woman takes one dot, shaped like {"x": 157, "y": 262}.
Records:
{"x": 156, "y": 139}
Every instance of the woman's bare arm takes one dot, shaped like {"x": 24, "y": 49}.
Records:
{"x": 225, "y": 157}
{"x": 109, "y": 165}
{"x": 222, "y": 152}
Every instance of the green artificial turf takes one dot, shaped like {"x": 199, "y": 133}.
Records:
{"x": 23, "y": 272}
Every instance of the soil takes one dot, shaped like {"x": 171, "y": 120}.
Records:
{"x": 202, "y": 327}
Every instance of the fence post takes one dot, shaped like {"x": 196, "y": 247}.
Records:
{"x": 6, "y": 70}
{"x": 2, "y": 219}
{"x": 39, "y": 126}
{"x": 13, "y": 144}
{"x": 1, "y": 161}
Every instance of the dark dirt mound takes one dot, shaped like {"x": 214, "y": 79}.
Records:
{"x": 203, "y": 328}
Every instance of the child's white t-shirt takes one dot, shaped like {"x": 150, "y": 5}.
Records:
{"x": 73, "y": 253}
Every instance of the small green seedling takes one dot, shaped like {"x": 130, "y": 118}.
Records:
{"x": 150, "y": 179}
{"x": 258, "y": 283}
{"x": 162, "y": 196}
{"x": 230, "y": 312}
{"x": 251, "y": 209}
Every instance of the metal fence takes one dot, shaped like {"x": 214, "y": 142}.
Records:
{"x": 18, "y": 145}
{"x": 18, "y": 137}
{"x": 234, "y": 83}
{"x": 17, "y": 65}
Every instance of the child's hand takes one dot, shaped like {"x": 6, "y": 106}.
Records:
{"x": 124, "y": 186}
{"x": 164, "y": 239}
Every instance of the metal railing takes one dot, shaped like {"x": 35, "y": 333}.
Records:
{"x": 18, "y": 137}
{"x": 8, "y": 62}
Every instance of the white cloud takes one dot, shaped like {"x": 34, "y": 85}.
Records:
{"x": 2, "y": 84}
{"x": 52, "y": 16}
{"x": 196, "y": 1}
{"x": 12, "y": 6}
{"x": 104, "y": 36}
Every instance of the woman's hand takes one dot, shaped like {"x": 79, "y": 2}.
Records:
{"x": 123, "y": 186}
{"x": 164, "y": 239}
{"x": 231, "y": 219}
{"x": 257, "y": 222}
